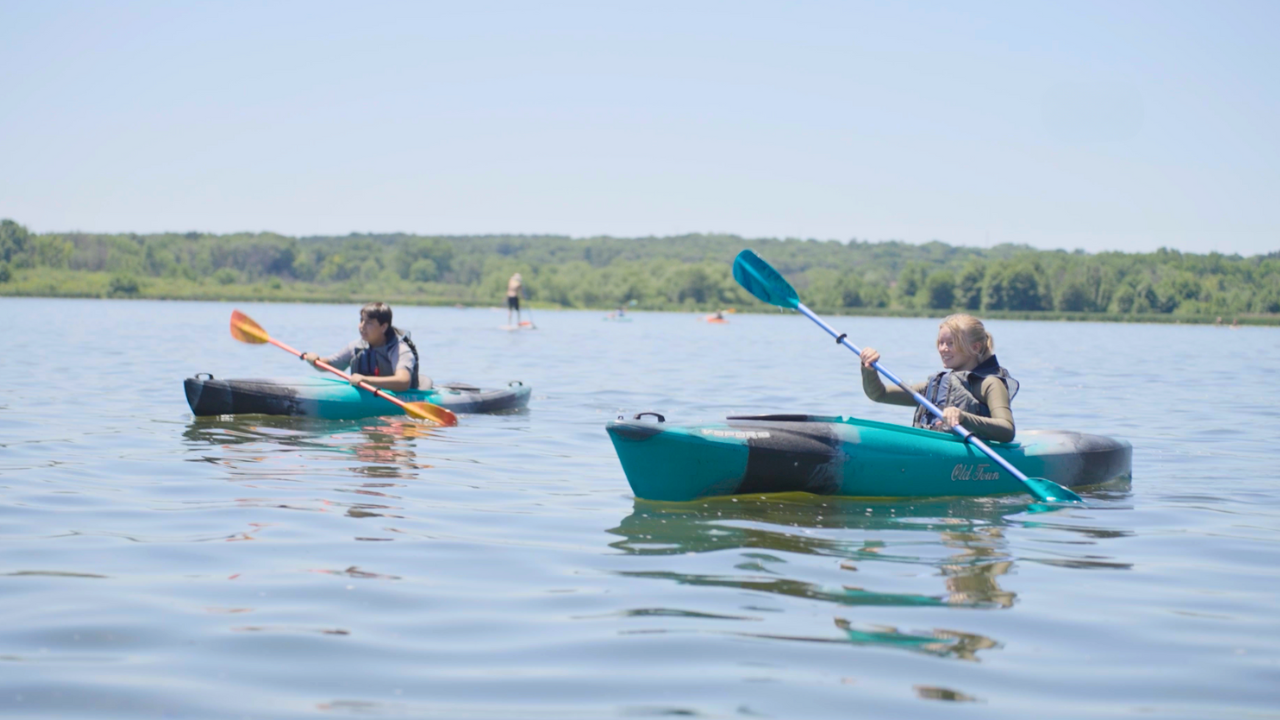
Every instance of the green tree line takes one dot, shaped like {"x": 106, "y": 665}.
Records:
{"x": 682, "y": 272}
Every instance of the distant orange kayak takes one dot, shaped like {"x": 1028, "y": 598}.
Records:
{"x": 714, "y": 319}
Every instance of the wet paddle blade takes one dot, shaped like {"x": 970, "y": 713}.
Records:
{"x": 434, "y": 413}
{"x": 761, "y": 280}
{"x": 1050, "y": 491}
{"x": 244, "y": 329}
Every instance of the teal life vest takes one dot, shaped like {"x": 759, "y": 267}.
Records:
{"x": 962, "y": 389}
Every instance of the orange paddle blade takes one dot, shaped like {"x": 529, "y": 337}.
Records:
{"x": 434, "y": 413}
{"x": 244, "y": 329}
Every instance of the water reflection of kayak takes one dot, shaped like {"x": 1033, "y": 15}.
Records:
{"x": 800, "y": 524}
{"x": 847, "y": 456}
{"x": 336, "y": 399}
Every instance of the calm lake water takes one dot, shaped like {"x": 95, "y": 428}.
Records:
{"x": 156, "y": 565}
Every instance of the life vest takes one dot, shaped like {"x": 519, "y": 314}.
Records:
{"x": 962, "y": 389}
{"x": 376, "y": 361}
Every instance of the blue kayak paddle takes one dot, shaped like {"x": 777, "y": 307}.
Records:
{"x": 767, "y": 284}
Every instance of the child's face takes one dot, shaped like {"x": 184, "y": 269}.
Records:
{"x": 372, "y": 331}
{"x": 953, "y": 353}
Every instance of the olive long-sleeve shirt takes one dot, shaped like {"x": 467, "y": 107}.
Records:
{"x": 998, "y": 428}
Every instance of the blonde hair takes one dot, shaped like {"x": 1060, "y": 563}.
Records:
{"x": 970, "y": 331}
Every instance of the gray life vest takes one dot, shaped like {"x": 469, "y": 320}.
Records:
{"x": 962, "y": 389}
{"x": 376, "y": 361}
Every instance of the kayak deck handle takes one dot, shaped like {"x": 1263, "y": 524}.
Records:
{"x": 637, "y": 416}
{"x": 207, "y": 376}
{"x": 515, "y": 382}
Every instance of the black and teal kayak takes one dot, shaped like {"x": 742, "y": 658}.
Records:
{"x": 336, "y": 399}
{"x": 847, "y": 456}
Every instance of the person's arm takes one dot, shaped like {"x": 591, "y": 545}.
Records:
{"x": 340, "y": 359}
{"x": 875, "y": 388}
{"x": 999, "y": 427}
{"x": 877, "y": 391}
{"x": 398, "y": 382}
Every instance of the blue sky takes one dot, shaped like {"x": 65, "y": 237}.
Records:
{"x": 1102, "y": 126}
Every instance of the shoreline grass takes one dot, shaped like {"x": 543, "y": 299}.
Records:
{"x": 59, "y": 283}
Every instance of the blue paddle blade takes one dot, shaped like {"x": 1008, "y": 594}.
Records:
{"x": 1050, "y": 491}
{"x": 761, "y": 280}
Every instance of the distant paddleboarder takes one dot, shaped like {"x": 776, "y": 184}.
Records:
{"x": 384, "y": 356}
{"x": 515, "y": 288}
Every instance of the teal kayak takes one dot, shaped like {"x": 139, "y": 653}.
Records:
{"x": 846, "y": 456}
{"x": 336, "y": 399}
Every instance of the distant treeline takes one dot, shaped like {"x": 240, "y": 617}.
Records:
{"x": 686, "y": 272}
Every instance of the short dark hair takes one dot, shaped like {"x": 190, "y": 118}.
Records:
{"x": 381, "y": 312}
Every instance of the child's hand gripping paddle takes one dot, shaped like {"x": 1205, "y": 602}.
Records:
{"x": 244, "y": 329}
{"x": 767, "y": 284}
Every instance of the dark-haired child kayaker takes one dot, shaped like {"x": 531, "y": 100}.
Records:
{"x": 384, "y": 356}
{"x": 973, "y": 390}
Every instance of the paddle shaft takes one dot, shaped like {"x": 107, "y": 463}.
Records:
{"x": 379, "y": 392}
{"x": 960, "y": 430}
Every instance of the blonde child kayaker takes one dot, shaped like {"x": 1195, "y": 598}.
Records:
{"x": 973, "y": 390}
{"x": 384, "y": 356}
